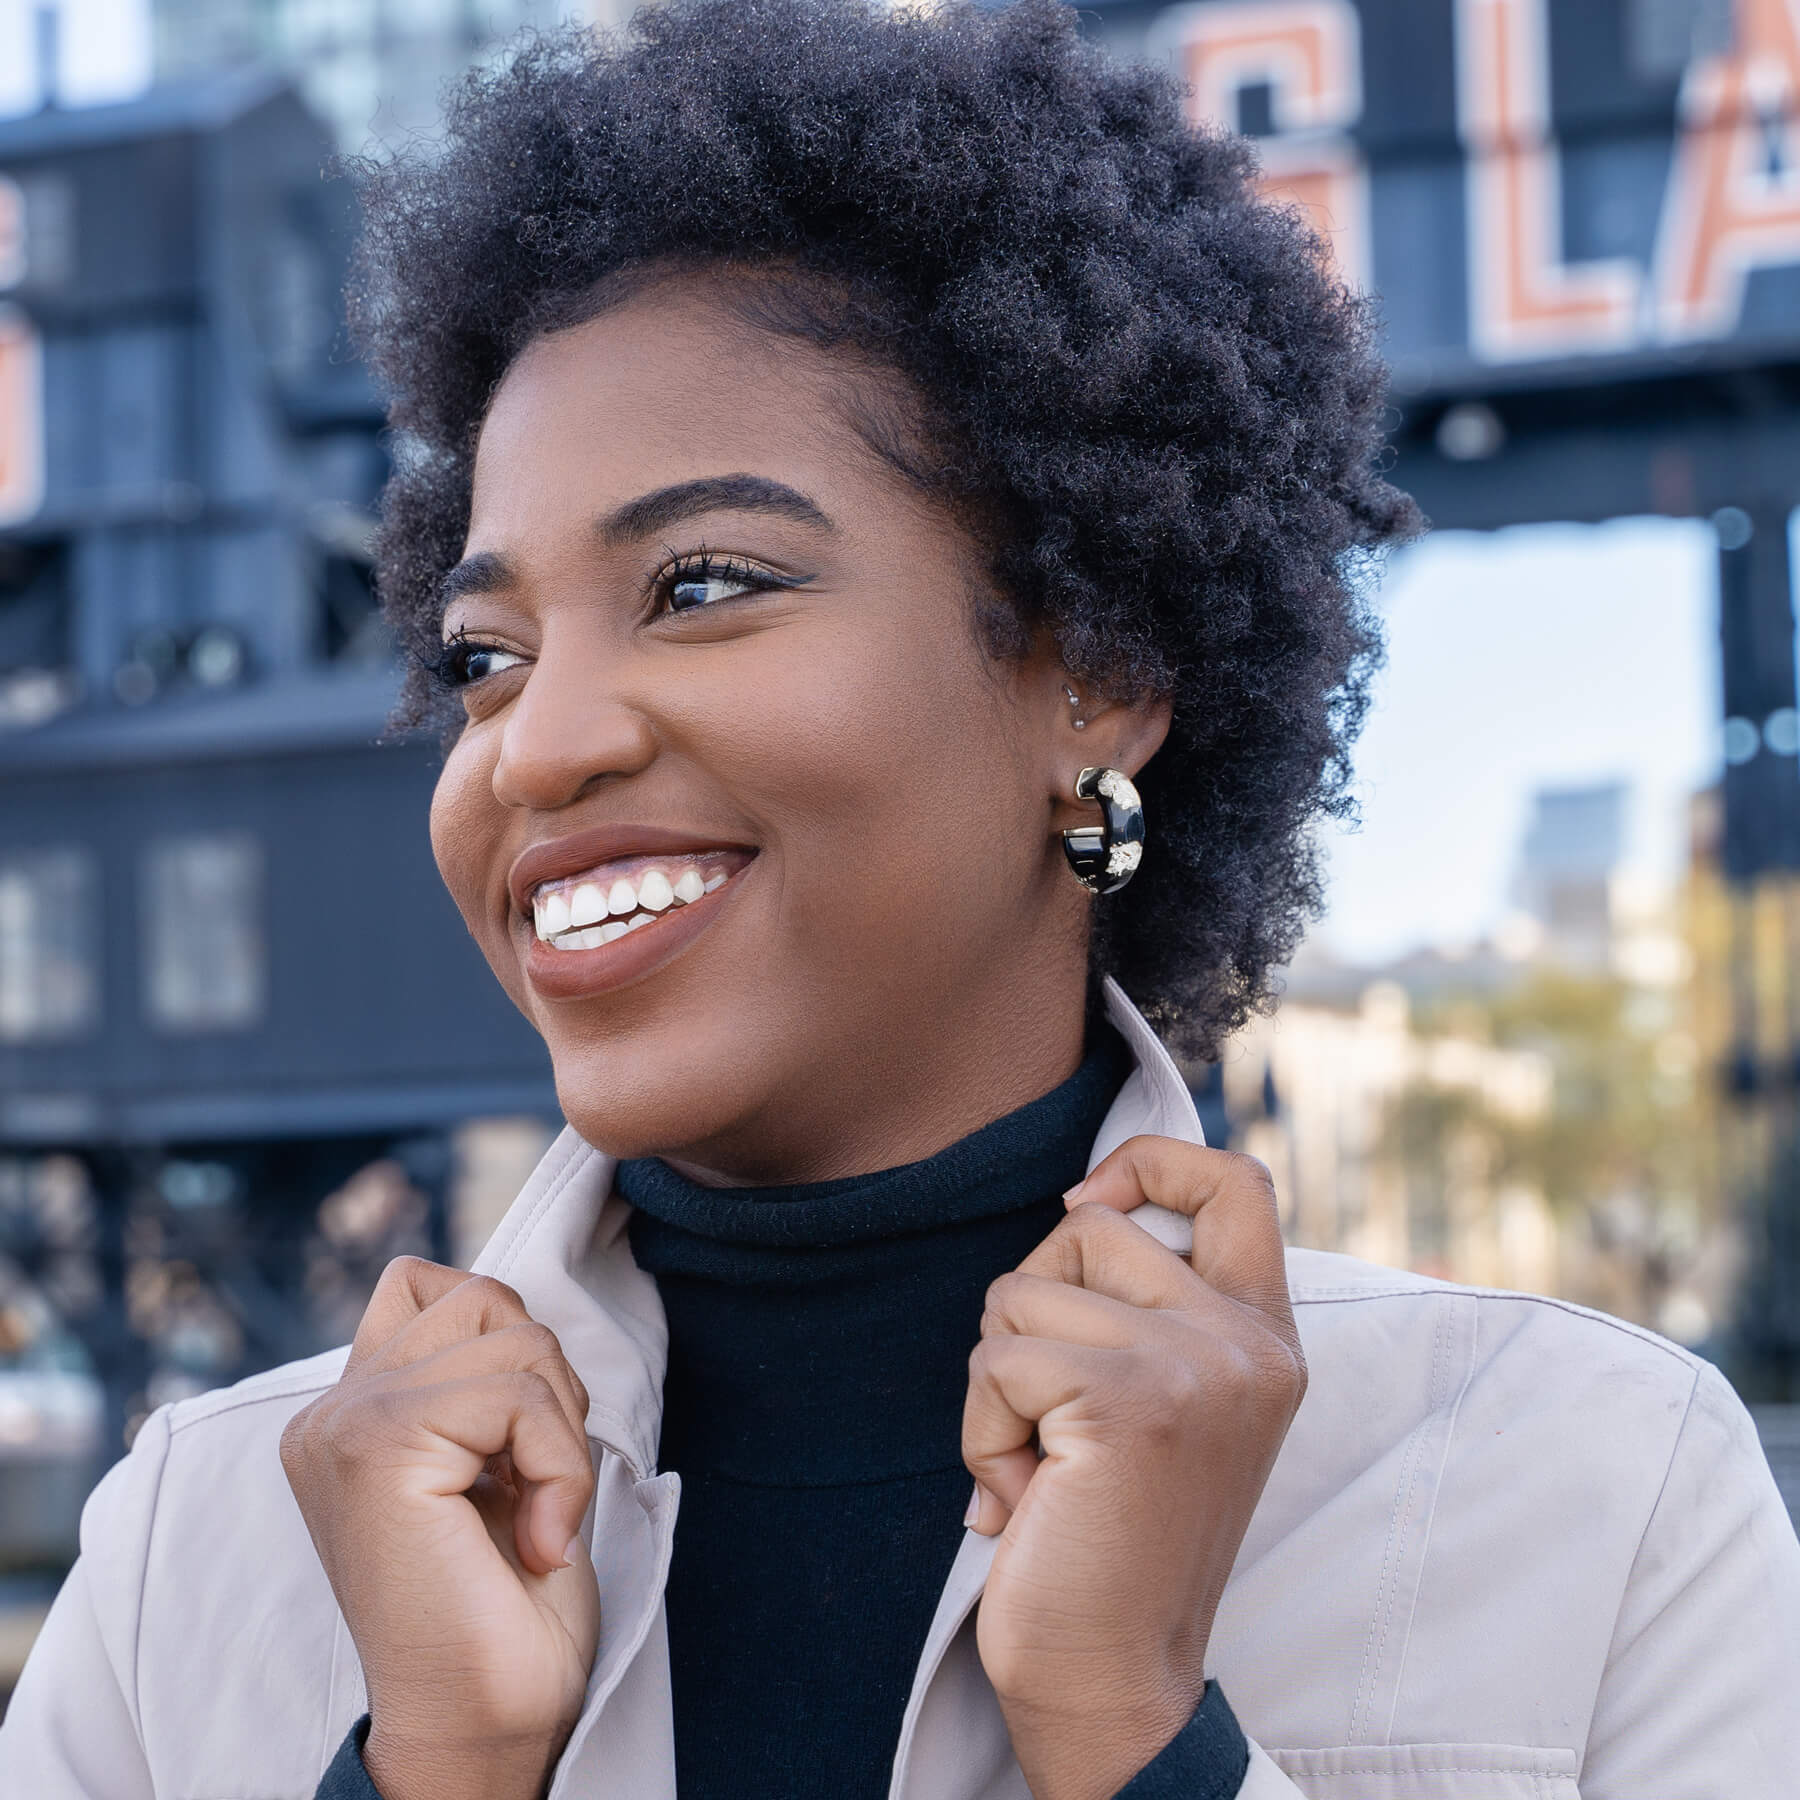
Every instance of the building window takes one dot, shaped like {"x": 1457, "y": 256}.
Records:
{"x": 205, "y": 954}
{"x": 49, "y": 949}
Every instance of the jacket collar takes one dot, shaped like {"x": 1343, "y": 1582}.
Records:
{"x": 562, "y": 1246}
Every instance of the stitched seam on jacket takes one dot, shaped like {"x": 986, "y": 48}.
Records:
{"x": 259, "y": 1399}
{"x": 1662, "y": 1487}
{"x": 1302, "y": 1761}
{"x": 137, "y": 1629}
{"x": 1412, "y": 1611}
{"x": 1376, "y": 1642}
{"x": 1336, "y": 1296}
{"x": 532, "y": 1219}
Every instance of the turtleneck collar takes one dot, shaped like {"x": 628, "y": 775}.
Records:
{"x": 820, "y": 1334}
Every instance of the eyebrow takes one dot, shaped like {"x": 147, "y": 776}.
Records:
{"x": 487, "y": 572}
{"x": 483, "y": 573}
{"x": 665, "y": 506}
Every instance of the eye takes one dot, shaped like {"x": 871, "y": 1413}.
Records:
{"x": 702, "y": 579}
{"x": 465, "y": 661}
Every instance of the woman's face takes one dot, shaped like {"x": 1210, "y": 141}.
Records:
{"x": 745, "y": 819}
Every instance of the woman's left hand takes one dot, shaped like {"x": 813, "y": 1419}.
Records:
{"x": 1125, "y": 1407}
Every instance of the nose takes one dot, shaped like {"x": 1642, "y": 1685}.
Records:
{"x": 567, "y": 730}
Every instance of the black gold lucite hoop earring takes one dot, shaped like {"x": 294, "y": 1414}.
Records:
{"x": 1105, "y": 856}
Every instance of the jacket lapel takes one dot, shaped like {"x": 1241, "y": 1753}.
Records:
{"x": 562, "y": 1246}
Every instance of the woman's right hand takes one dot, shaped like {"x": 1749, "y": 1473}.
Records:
{"x": 444, "y": 1481}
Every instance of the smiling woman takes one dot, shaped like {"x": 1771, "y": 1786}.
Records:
{"x": 880, "y": 520}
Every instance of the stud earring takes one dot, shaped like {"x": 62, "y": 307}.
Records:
{"x": 1106, "y": 856}
{"x": 1078, "y": 721}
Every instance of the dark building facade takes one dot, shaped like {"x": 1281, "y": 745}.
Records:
{"x": 229, "y": 976}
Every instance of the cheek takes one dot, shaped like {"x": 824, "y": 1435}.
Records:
{"x": 465, "y": 827}
{"x": 901, "y": 791}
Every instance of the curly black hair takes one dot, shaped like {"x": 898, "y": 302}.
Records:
{"x": 1142, "y": 378}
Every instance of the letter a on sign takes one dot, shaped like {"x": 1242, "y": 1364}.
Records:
{"x": 21, "y": 418}
{"x": 1308, "y": 54}
{"x": 1734, "y": 195}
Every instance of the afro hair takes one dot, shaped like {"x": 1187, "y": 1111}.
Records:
{"x": 1143, "y": 378}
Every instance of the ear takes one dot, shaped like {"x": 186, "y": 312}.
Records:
{"x": 1100, "y": 733}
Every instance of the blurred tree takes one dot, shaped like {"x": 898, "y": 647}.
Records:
{"x": 1619, "y": 1153}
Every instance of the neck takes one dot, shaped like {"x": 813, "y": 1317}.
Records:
{"x": 870, "y": 1106}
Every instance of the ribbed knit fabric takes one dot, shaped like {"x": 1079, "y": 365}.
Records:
{"x": 819, "y": 1340}
{"x": 818, "y": 1357}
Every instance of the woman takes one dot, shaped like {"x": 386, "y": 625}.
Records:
{"x": 880, "y": 515}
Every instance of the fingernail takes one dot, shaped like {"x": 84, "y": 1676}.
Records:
{"x": 1071, "y": 1195}
{"x": 574, "y": 1553}
{"x": 974, "y": 1511}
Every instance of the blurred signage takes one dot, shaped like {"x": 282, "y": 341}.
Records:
{"x": 1616, "y": 174}
{"x": 21, "y": 418}
{"x": 1305, "y": 58}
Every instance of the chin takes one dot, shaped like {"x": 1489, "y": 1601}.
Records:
{"x": 663, "y": 1107}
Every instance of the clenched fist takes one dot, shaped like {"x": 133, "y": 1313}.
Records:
{"x": 1125, "y": 1407}
{"x": 444, "y": 1481}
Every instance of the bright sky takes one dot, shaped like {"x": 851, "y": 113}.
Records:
{"x": 1551, "y": 654}
{"x": 1544, "y": 655}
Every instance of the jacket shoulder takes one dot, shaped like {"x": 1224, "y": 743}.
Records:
{"x": 1499, "y": 1323}
{"x": 283, "y": 1390}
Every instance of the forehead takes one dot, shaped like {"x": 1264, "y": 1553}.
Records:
{"x": 664, "y": 386}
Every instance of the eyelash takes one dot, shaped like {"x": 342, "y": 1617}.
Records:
{"x": 450, "y": 668}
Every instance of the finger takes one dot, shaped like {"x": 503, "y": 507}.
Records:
{"x": 516, "y": 1412}
{"x": 408, "y": 1285}
{"x": 457, "y": 1305}
{"x": 524, "y": 1348}
{"x": 1031, "y": 1305}
{"x": 1014, "y": 1384}
{"x": 1230, "y": 1198}
{"x": 1097, "y": 1248}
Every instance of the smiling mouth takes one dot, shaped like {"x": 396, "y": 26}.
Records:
{"x": 605, "y": 903}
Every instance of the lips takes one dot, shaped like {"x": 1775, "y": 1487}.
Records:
{"x": 583, "y": 851}
{"x": 610, "y": 906}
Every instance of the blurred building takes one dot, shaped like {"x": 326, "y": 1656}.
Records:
{"x": 1567, "y": 869}
{"x": 1315, "y": 1093}
{"x": 376, "y": 70}
{"x": 243, "y": 1031}
{"x": 1526, "y": 1112}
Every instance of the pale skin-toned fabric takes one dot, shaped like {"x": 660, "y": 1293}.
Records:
{"x": 1511, "y": 1550}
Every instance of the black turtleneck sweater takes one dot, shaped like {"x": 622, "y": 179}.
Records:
{"x": 819, "y": 1339}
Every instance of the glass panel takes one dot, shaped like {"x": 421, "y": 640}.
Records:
{"x": 205, "y": 956}
{"x": 49, "y": 954}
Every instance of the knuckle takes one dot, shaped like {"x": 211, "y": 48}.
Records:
{"x": 1005, "y": 1293}
{"x": 492, "y": 1296}
{"x": 294, "y": 1439}
{"x": 401, "y": 1274}
{"x": 538, "y": 1342}
{"x": 1250, "y": 1174}
{"x": 1171, "y": 1392}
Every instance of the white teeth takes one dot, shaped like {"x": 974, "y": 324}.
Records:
{"x": 553, "y": 915}
{"x": 587, "y": 905}
{"x": 583, "y": 917}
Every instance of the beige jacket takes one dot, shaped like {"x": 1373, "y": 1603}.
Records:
{"x": 1512, "y": 1550}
